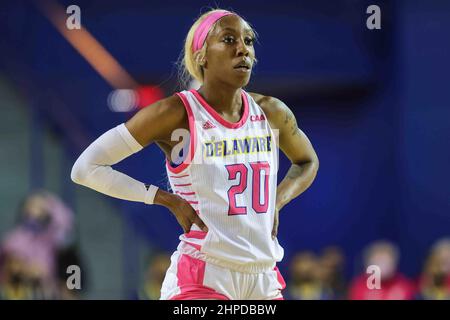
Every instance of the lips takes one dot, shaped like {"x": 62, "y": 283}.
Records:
{"x": 243, "y": 66}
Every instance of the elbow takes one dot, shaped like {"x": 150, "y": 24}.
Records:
{"x": 78, "y": 174}
{"x": 311, "y": 162}
{"x": 316, "y": 164}
{"x": 313, "y": 165}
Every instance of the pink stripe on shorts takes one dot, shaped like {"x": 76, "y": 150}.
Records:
{"x": 190, "y": 274}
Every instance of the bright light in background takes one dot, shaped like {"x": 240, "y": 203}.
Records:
{"x": 122, "y": 100}
{"x": 126, "y": 100}
{"x": 148, "y": 95}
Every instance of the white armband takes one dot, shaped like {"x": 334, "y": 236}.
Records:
{"x": 93, "y": 167}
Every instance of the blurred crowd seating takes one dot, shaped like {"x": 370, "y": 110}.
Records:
{"x": 35, "y": 254}
{"x": 321, "y": 276}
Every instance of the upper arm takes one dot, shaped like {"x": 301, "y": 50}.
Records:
{"x": 292, "y": 141}
{"x": 157, "y": 121}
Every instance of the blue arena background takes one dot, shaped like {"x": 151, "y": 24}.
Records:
{"x": 374, "y": 103}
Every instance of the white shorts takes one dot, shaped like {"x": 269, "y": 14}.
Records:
{"x": 189, "y": 278}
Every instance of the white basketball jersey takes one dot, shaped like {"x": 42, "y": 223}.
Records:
{"x": 230, "y": 178}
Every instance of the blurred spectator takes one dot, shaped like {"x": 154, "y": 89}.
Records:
{"x": 306, "y": 283}
{"x": 394, "y": 285}
{"x": 331, "y": 272}
{"x": 435, "y": 280}
{"x": 156, "y": 270}
{"x": 44, "y": 228}
{"x": 13, "y": 278}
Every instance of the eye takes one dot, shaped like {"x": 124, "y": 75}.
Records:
{"x": 249, "y": 41}
{"x": 228, "y": 39}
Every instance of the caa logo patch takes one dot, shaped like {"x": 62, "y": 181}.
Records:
{"x": 258, "y": 117}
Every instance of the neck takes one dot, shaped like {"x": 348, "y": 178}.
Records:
{"x": 223, "y": 99}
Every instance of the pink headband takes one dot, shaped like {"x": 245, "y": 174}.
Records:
{"x": 203, "y": 29}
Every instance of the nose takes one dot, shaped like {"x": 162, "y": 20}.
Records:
{"x": 242, "y": 49}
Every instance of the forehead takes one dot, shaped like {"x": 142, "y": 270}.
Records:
{"x": 232, "y": 23}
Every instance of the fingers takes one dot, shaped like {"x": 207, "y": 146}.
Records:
{"x": 200, "y": 223}
{"x": 187, "y": 223}
{"x": 274, "y": 231}
{"x": 275, "y": 226}
{"x": 186, "y": 227}
{"x": 187, "y": 216}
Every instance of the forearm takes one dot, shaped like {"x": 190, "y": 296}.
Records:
{"x": 298, "y": 178}
{"x": 164, "y": 198}
{"x": 93, "y": 167}
{"x": 106, "y": 180}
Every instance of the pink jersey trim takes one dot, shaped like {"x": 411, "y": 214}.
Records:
{"x": 182, "y": 185}
{"x": 184, "y": 175}
{"x": 185, "y": 193}
{"x": 218, "y": 117}
{"x": 200, "y": 293}
{"x": 195, "y": 234}
{"x": 196, "y": 246}
{"x": 192, "y": 142}
{"x": 191, "y": 274}
{"x": 280, "y": 278}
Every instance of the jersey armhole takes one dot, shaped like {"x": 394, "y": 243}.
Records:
{"x": 192, "y": 140}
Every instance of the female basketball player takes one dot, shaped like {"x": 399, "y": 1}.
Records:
{"x": 224, "y": 193}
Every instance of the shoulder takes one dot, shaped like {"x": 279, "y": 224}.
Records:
{"x": 171, "y": 107}
{"x": 157, "y": 121}
{"x": 170, "y": 111}
{"x": 275, "y": 109}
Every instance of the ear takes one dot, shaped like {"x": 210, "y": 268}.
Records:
{"x": 200, "y": 59}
